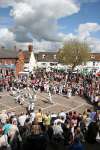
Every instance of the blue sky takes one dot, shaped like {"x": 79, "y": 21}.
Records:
{"x": 5, "y": 19}
{"x": 75, "y": 18}
{"x": 89, "y": 12}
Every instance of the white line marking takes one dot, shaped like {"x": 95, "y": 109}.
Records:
{"x": 74, "y": 108}
{"x": 73, "y": 98}
{"x": 45, "y": 97}
{"x": 64, "y": 105}
{"x": 50, "y": 106}
{"x": 10, "y": 108}
{"x": 14, "y": 107}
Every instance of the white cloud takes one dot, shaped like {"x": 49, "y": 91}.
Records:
{"x": 66, "y": 37}
{"x": 94, "y": 44}
{"x": 46, "y": 45}
{"x": 36, "y": 20}
{"x": 6, "y": 37}
{"x": 39, "y": 17}
{"x": 84, "y": 33}
{"x": 86, "y": 29}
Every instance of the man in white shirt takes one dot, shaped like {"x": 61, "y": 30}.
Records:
{"x": 57, "y": 129}
{"x": 50, "y": 97}
{"x": 32, "y": 116}
{"x": 22, "y": 118}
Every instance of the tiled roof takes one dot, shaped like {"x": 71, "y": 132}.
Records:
{"x": 48, "y": 56}
{"x": 95, "y": 57}
{"x": 7, "y": 53}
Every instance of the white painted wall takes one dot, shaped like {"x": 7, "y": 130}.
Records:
{"x": 90, "y": 64}
{"x": 32, "y": 63}
{"x": 45, "y": 64}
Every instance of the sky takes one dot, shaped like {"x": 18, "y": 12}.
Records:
{"x": 47, "y": 24}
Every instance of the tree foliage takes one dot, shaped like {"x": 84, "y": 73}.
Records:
{"x": 74, "y": 53}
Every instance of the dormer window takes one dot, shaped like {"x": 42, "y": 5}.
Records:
{"x": 92, "y": 57}
{"x": 43, "y": 56}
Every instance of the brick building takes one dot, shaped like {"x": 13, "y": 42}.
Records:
{"x": 11, "y": 61}
{"x": 94, "y": 60}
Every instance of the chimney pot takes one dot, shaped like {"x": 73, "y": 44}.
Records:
{"x": 30, "y": 48}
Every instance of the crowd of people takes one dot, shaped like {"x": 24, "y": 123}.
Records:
{"x": 70, "y": 85}
{"x": 64, "y": 84}
{"x": 37, "y": 129}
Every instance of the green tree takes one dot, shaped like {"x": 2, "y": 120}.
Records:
{"x": 74, "y": 53}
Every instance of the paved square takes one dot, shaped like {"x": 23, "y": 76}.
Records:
{"x": 75, "y": 103}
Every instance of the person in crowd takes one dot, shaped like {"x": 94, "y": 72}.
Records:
{"x": 39, "y": 116}
{"x": 50, "y": 97}
{"x": 37, "y": 139}
{"x": 21, "y": 119}
{"x": 3, "y": 140}
{"x": 33, "y": 129}
{"x": 77, "y": 145}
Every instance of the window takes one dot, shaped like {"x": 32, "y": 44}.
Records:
{"x": 93, "y": 63}
{"x": 55, "y": 56}
{"x": 52, "y": 64}
{"x": 43, "y": 56}
{"x": 92, "y": 57}
{"x": 43, "y": 64}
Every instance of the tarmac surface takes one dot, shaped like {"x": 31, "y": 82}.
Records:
{"x": 75, "y": 103}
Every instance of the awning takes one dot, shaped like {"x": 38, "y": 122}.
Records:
{"x": 12, "y": 66}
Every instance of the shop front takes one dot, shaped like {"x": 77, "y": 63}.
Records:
{"x": 7, "y": 72}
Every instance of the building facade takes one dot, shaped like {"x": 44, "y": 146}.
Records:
{"x": 18, "y": 61}
{"x": 11, "y": 61}
{"x": 94, "y": 60}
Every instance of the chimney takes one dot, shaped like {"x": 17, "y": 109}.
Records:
{"x": 20, "y": 50}
{"x": 30, "y": 48}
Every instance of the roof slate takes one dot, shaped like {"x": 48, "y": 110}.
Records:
{"x": 7, "y": 53}
{"x": 95, "y": 57}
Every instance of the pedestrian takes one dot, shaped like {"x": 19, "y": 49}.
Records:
{"x": 50, "y": 97}
{"x": 69, "y": 92}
